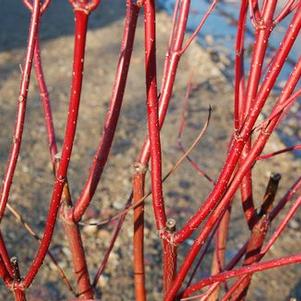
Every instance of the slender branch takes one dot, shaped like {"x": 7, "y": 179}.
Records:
{"x": 282, "y": 151}
{"x": 241, "y": 139}
{"x": 44, "y": 95}
{"x": 21, "y": 109}
{"x": 257, "y": 267}
{"x": 112, "y": 117}
{"x": 218, "y": 261}
{"x": 152, "y": 113}
{"x": 138, "y": 239}
{"x": 81, "y": 20}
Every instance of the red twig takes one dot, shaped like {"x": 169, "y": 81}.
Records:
{"x": 223, "y": 205}
{"x": 44, "y": 95}
{"x": 285, "y": 150}
{"x": 218, "y": 261}
{"x": 199, "y": 27}
{"x": 138, "y": 240}
{"x": 81, "y": 20}
{"x": 20, "y": 117}
{"x": 286, "y": 10}
{"x": 257, "y": 267}
{"x": 111, "y": 120}
{"x": 153, "y": 114}
{"x": 241, "y": 139}
{"x": 170, "y": 257}
{"x": 73, "y": 235}
{"x": 170, "y": 69}
{"x": 43, "y": 6}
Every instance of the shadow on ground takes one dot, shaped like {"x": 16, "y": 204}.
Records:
{"x": 57, "y": 21}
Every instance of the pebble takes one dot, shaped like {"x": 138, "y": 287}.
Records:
{"x": 103, "y": 280}
{"x": 119, "y": 204}
{"x": 91, "y": 229}
{"x": 209, "y": 39}
{"x": 294, "y": 224}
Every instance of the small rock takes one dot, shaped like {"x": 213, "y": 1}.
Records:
{"x": 209, "y": 39}
{"x": 103, "y": 281}
{"x": 294, "y": 224}
{"x": 91, "y": 229}
{"x": 119, "y": 204}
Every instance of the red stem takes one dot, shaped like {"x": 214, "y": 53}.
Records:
{"x": 111, "y": 120}
{"x": 239, "y": 85}
{"x": 223, "y": 205}
{"x": 20, "y": 117}
{"x": 152, "y": 113}
{"x": 255, "y": 243}
{"x": 218, "y": 261}
{"x": 71, "y": 229}
{"x": 261, "y": 224}
{"x": 5, "y": 256}
{"x": 262, "y": 34}
{"x": 169, "y": 74}
{"x": 19, "y": 295}
{"x": 122, "y": 69}
{"x": 44, "y": 95}
{"x": 242, "y": 137}
{"x": 138, "y": 239}
{"x": 199, "y": 27}
{"x": 81, "y": 20}
{"x": 286, "y": 10}
{"x": 257, "y": 267}
{"x": 287, "y": 149}
{"x": 170, "y": 257}
{"x": 73, "y": 236}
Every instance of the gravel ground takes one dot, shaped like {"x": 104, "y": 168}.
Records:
{"x": 184, "y": 191}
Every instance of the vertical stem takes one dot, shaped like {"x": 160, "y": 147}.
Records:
{"x": 19, "y": 295}
{"x": 152, "y": 113}
{"x": 239, "y": 76}
{"x": 132, "y": 12}
{"x": 154, "y": 125}
{"x": 138, "y": 193}
{"x": 241, "y": 139}
{"x": 270, "y": 194}
{"x": 74, "y": 238}
{"x": 170, "y": 70}
{"x": 20, "y": 117}
{"x": 81, "y": 21}
{"x": 72, "y": 233}
{"x": 170, "y": 257}
{"x": 218, "y": 261}
{"x": 5, "y": 256}
{"x": 262, "y": 34}
{"x": 253, "y": 249}
{"x": 258, "y": 235}
{"x": 44, "y": 95}
{"x": 112, "y": 116}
